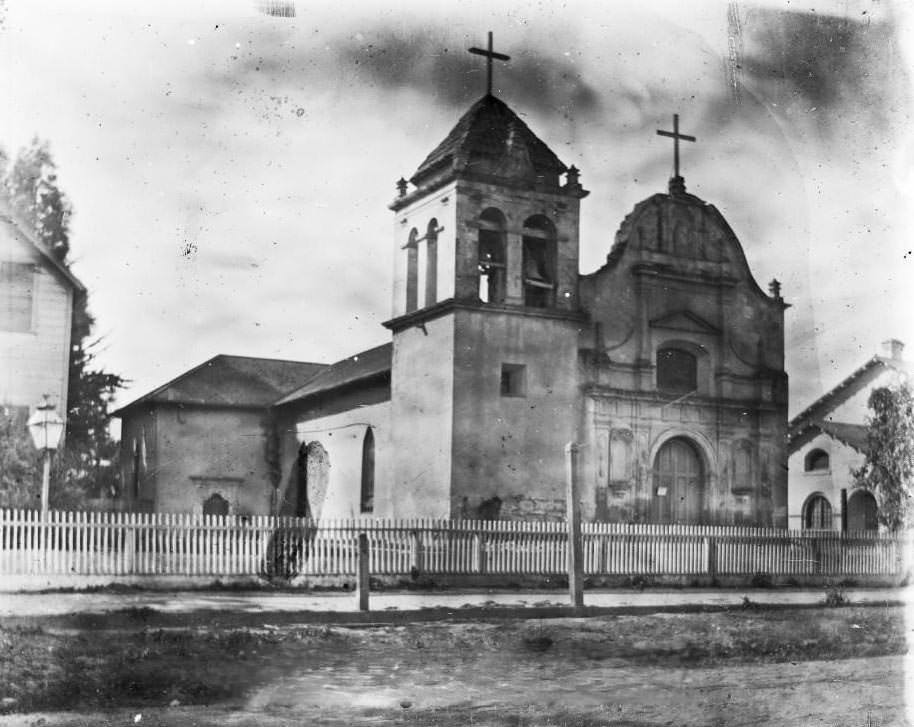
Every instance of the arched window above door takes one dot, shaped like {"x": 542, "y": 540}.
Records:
{"x": 677, "y": 370}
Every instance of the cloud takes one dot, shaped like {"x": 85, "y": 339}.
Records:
{"x": 849, "y": 71}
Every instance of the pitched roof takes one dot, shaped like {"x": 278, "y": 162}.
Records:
{"x": 846, "y": 389}
{"x": 21, "y": 230}
{"x": 365, "y": 365}
{"x": 488, "y": 133}
{"x": 232, "y": 381}
{"x": 853, "y": 435}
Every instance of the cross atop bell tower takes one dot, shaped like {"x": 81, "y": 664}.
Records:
{"x": 489, "y": 55}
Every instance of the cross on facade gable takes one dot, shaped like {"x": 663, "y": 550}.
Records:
{"x": 489, "y": 55}
{"x": 675, "y": 136}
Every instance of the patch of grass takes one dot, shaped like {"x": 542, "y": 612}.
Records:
{"x": 835, "y": 596}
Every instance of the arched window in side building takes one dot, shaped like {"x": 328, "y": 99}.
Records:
{"x": 816, "y": 460}
{"x": 412, "y": 271}
{"x": 817, "y": 513}
{"x": 367, "y": 496}
{"x": 431, "y": 263}
{"x": 677, "y": 371}
{"x": 539, "y": 262}
{"x": 492, "y": 259}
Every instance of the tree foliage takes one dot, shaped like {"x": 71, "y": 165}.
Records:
{"x": 84, "y": 468}
{"x": 20, "y": 473}
{"x": 888, "y": 470}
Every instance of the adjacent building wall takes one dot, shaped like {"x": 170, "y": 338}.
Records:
{"x": 826, "y": 482}
{"x": 35, "y": 362}
{"x": 187, "y": 454}
{"x": 336, "y": 493}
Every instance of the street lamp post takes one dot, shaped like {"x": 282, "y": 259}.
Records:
{"x": 46, "y": 428}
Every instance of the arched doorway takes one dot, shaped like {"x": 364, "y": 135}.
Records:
{"x": 678, "y": 495}
{"x": 862, "y": 511}
{"x": 215, "y": 504}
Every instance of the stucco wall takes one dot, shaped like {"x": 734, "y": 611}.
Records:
{"x": 512, "y": 447}
{"x": 342, "y": 437}
{"x": 422, "y": 390}
{"x": 36, "y": 362}
{"x": 211, "y": 451}
{"x": 828, "y": 482}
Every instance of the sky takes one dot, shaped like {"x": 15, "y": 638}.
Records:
{"x": 230, "y": 169}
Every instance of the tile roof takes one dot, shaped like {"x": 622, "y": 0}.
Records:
{"x": 232, "y": 381}
{"x": 846, "y": 389}
{"x": 486, "y": 135}
{"x": 853, "y": 435}
{"x": 365, "y": 365}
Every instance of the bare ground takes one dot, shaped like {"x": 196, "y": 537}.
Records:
{"x": 753, "y": 666}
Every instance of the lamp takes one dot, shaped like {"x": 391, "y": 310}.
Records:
{"x": 46, "y": 428}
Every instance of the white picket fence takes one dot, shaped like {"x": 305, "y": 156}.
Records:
{"x": 92, "y": 543}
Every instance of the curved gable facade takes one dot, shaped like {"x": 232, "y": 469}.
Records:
{"x": 683, "y": 345}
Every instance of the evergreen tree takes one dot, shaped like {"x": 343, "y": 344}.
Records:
{"x": 84, "y": 468}
{"x": 888, "y": 470}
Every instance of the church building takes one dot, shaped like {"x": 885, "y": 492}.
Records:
{"x": 666, "y": 365}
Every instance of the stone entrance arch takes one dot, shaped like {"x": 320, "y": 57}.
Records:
{"x": 678, "y": 482}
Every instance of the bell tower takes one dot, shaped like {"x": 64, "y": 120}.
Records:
{"x": 484, "y": 382}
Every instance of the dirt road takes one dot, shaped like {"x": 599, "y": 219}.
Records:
{"x": 833, "y": 667}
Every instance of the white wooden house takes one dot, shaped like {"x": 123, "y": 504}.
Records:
{"x": 37, "y": 295}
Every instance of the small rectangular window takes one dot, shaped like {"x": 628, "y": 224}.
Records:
{"x": 513, "y": 380}
{"x": 16, "y": 287}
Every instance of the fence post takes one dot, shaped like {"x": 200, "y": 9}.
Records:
{"x": 479, "y": 553}
{"x": 363, "y": 583}
{"x": 575, "y": 551}
{"x": 416, "y": 547}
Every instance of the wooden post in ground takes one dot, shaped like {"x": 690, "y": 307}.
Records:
{"x": 362, "y": 584}
{"x": 843, "y": 509}
{"x": 575, "y": 551}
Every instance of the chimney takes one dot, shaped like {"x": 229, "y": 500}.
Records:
{"x": 892, "y": 349}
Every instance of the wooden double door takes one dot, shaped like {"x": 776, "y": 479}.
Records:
{"x": 678, "y": 484}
